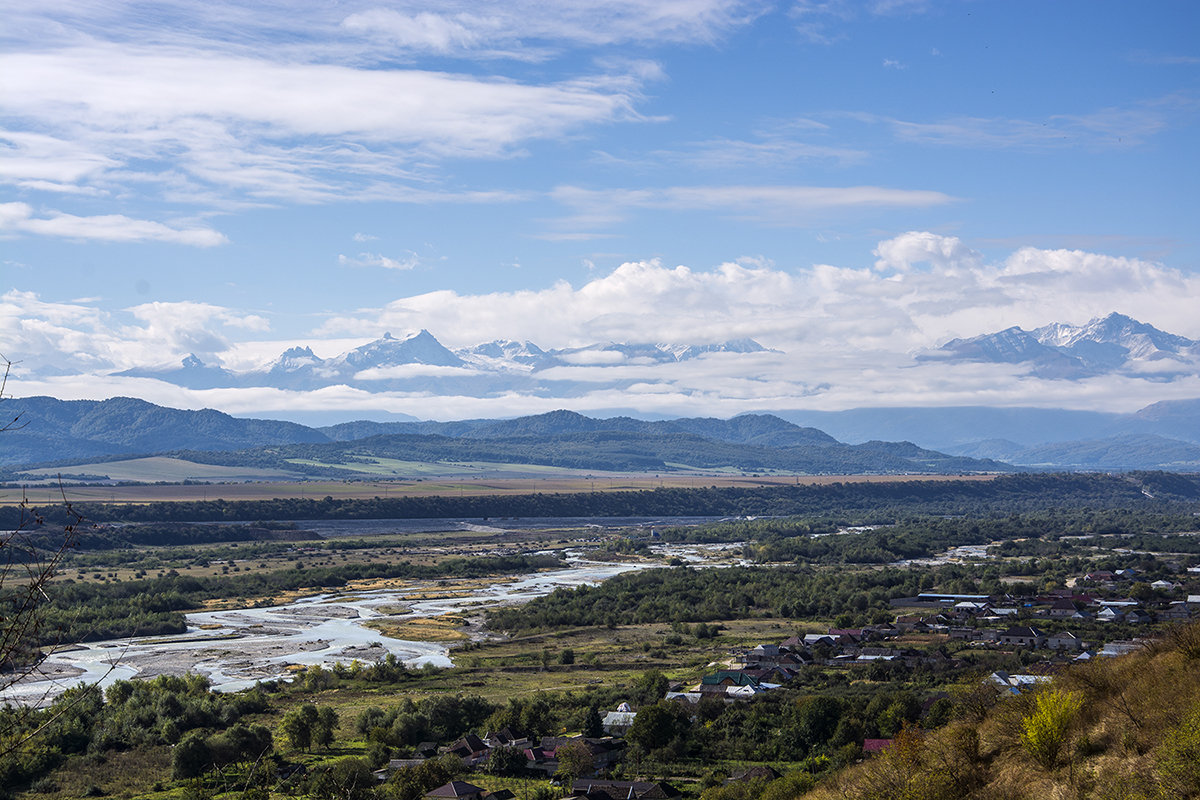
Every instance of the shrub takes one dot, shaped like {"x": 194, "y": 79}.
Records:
{"x": 1179, "y": 758}
{"x": 1044, "y": 732}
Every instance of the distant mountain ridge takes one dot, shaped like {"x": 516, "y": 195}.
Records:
{"x": 420, "y": 362}
{"x": 62, "y": 431}
{"x": 1060, "y": 351}
{"x": 51, "y": 430}
{"x": 1164, "y": 435}
{"x": 1126, "y": 452}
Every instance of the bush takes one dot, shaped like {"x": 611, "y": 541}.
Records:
{"x": 1179, "y": 759}
{"x": 1044, "y": 732}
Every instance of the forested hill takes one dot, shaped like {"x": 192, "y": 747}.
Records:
{"x": 884, "y": 501}
{"x": 755, "y": 429}
{"x": 47, "y": 429}
{"x": 621, "y": 451}
{"x": 59, "y": 433}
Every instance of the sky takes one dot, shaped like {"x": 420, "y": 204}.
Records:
{"x": 851, "y": 184}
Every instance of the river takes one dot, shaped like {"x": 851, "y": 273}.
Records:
{"x": 236, "y": 648}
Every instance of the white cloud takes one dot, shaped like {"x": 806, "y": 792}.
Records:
{"x": 777, "y": 205}
{"x": 922, "y": 289}
{"x": 49, "y": 337}
{"x": 34, "y": 160}
{"x": 410, "y": 261}
{"x": 230, "y": 128}
{"x": 945, "y": 253}
{"x": 20, "y": 218}
{"x": 530, "y": 29}
{"x": 406, "y": 371}
{"x": 847, "y": 334}
{"x": 1102, "y": 128}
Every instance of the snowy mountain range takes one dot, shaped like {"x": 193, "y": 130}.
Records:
{"x": 419, "y": 362}
{"x": 1060, "y": 351}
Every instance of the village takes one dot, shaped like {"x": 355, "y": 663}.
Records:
{"x": 1027, "y": 638}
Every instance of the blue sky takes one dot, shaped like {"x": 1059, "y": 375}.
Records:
{"x": 867, "y": 178}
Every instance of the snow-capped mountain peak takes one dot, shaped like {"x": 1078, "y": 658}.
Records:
{"x": 418, "y": 348}
{"x": 295, "y": 358}
{"x": 1062, "y": 350}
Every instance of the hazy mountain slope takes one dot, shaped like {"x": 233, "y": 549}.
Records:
{"x": 945, "y": 427}
{"x": 607, "y": 450}
{"x": 1129, "y": 451}
{"x": 57, "y": 429}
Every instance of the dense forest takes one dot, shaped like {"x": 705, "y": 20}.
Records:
{"x": 1002, "y": 495}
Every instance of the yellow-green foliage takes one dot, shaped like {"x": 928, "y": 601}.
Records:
{"x": 1124, "y": 728}
{"x": 1179, "y": 761}
{"x": 1044, "y": 732}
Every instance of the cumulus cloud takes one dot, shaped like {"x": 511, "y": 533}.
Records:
{"x": 76, "y": 336}
{"x": 845, "y": 336}
{"x": 944, "y": 253}
{"x": 21, "y": 218}
{"x": 922, "y": 289}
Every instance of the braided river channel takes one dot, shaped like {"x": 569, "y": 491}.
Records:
{"x": 236, "y": 648}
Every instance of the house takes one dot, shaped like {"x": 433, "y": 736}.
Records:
{"x": 456, "y": 790}
{"x": 745, "y": 692}
{"x": 541, "y": 759}
{"x": 728, "y": 677}
{"x": 759, "y": 773}
{"x": 685, "y": 697}
{"x": 970, "y": 608}
{"x": 1162, "y": 585}
{"x": 471, "y": 749}
{"x": 605, "y": 752}
{"x": 1014, "y": 684}
{"x": 623, "y": 790}
{"x": 1175, "y": 611}
{"x": 1062, "y": 609}
{"x": 505, "y": 737}
{"x": 1099, "y": 576}
{"x": 1112, "y": 649}
{"x": 1139, "y": 616}
{"x": 1109, "y": 614}
{"x": 618, "y": 723}
{"x": 1064, "y": 641}
{"x": 1023, "y": 636}
{"x": 771, "y": 675}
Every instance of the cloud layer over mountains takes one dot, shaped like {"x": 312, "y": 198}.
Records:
{"x": 903, "y": 330}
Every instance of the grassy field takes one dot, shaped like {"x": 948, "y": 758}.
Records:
{"x": 169, "y": 470}
{"x": 553, "y": 482}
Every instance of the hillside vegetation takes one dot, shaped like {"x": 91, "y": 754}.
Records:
{"x": 1125, "y": 728}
